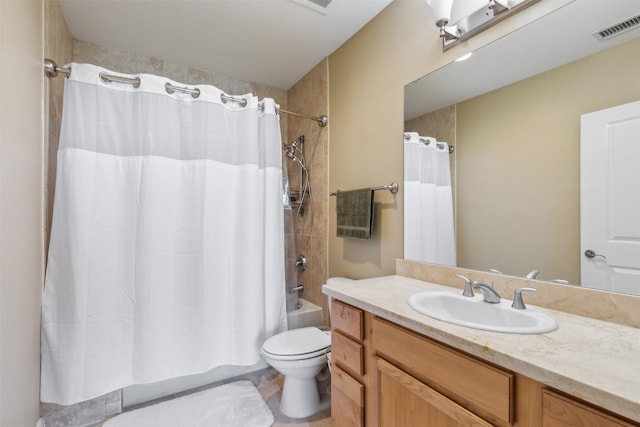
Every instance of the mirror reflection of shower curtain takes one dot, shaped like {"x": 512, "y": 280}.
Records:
{"x": 167, "y": 244}
{"x": 428, "y": 203}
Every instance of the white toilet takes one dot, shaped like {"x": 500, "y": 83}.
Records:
{"x": 299, "y": 355}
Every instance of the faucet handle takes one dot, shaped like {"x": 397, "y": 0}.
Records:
{"x": 533, "y": 274}
{"x": 518, "y": 302}
{"x": 468, "y": 291}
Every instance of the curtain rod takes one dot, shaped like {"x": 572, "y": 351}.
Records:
{"x": 393, "y": 189}
{"x": 427, "y": 142}
{"x": 51, "y": 69}
{"x": 322, "y": 120}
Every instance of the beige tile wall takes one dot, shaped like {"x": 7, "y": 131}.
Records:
{"x": 310, "y": 96}
{"x": 440, "y": 124}
{"x": 58, "y": 46}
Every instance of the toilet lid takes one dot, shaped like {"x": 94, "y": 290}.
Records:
{"x": 297, "y": 342}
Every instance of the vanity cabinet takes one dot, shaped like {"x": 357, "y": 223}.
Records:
{"x": 385, "y": 375}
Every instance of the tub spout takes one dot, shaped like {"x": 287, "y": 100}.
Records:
{"x": 299, "y": 288}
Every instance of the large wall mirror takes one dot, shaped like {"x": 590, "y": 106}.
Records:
{"x": 513, "y": 113}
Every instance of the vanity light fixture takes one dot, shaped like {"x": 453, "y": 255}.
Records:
{"x": 488, "y": 14}
{"x": 442, "y": 14}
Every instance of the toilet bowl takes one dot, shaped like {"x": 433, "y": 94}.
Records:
{"x": 299, "y": 355}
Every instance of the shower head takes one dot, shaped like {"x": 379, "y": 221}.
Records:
{"x": 291, "y": 148}
{"x": 292, "y": 145}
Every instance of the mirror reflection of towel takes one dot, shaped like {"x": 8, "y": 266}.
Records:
{"x": 354, "y": 210}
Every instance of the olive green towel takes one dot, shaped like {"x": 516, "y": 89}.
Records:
{"x": 354, "y": 210}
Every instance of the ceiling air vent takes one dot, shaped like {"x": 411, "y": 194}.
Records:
{"x": 618, "y": 28}
{"x": 321, "y": 3}
{"x": 317, "y": 5}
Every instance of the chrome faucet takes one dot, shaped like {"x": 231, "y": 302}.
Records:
{"x": 488, "y": 293}
{"x": 468, "y": 292}
{"x": 301, "y": 262}
{"x": 532, "y": 274}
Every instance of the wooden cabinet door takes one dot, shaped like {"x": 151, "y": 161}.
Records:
{"x": 403, "y": 401}
{"x": 561, "y": 411}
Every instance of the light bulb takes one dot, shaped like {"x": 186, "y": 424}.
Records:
{"x": 441, "y": 11}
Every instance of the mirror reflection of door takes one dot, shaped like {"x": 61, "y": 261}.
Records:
{"x": 610, "y": 199}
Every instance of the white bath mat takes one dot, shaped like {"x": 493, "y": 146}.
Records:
{"x": 236, "y": 404}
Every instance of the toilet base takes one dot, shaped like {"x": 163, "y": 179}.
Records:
{"x": 300, "y": 398}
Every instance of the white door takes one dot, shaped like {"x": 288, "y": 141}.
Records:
{"x": 610, "y": 199}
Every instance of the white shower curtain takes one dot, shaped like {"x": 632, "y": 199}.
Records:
{"x": 428, "y": 218}
{"x": 167, "y": 245}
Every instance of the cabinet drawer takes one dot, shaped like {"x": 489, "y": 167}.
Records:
{"x": 347, "y": 399}
{"x": 347, "y": 319}
{"x": 561, "y": 411}
{"x": 347, "y": 353}
{"x": 484, "y": 389}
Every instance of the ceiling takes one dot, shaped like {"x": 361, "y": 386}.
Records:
{"x": 272, "y": 42}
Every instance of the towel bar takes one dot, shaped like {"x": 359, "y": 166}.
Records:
{"x": 393, "y": 188}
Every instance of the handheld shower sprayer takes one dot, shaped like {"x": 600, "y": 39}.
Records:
{"x": 295, "y": 151}
{"x": 290, "y": 155}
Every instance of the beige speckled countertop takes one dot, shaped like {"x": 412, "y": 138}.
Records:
{"x": 593, "y": 360}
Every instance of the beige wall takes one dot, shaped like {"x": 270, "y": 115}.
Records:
{"x": 366, "y": 80}
{"x": 518, "y": 156}
{"x": 21, "y": 153}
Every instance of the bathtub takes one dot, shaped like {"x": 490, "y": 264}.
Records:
{"x": 307, "y": 315}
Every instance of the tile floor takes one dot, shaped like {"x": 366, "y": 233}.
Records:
{"x": 269, "y": 384}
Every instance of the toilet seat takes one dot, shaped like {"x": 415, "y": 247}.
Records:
{"x": 297, "y": 344}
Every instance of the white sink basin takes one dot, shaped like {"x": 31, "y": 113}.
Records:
{"x": 473, "y": 312}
